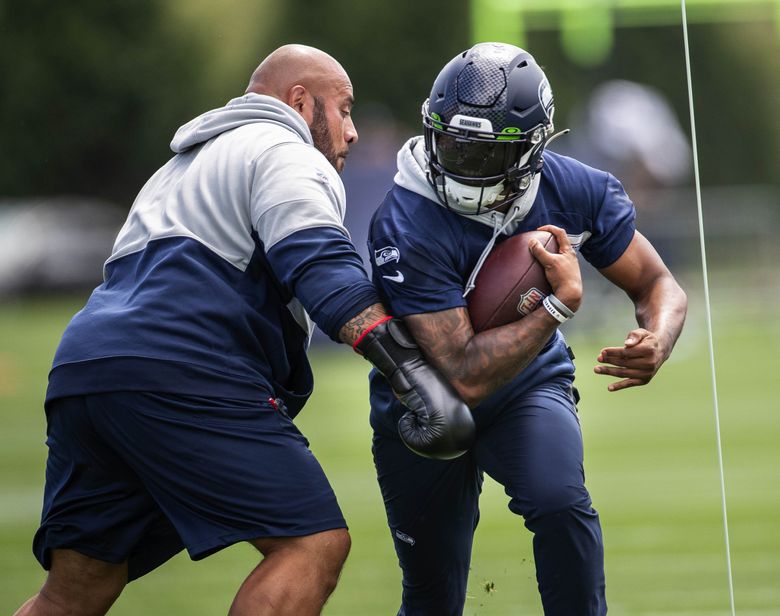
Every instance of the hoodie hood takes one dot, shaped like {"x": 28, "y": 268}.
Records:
{"x": 246, "y": 109}
{"x": 412, "y": 175}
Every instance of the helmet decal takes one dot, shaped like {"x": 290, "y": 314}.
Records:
{"x": 482, "y": 125}
{"x": 546, "y": 98}
{"x": 509, "y": 133}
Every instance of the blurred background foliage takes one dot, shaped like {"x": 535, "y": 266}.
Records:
{"x": 92, "y": 91}
{"x": 88, "y": 90}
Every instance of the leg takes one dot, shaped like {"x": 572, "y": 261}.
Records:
{"x": 295, "y": 577}
{"x": 96, "y": 510}
{"x": 77, "y": 585}
{"x": 432, "y": 511}
{"x": 225, "y": 471}
{"x": 535, "y": 451}
{"x": 167, "y": 470}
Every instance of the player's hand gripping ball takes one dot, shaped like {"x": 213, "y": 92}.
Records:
{"x": 511, "y": 283}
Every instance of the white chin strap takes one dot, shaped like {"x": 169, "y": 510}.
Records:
{"x": 468, "y": 199}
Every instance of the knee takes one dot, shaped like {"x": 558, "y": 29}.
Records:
{"x": 551, "y": 499}
{"x": 570, "y": 519}
{"x": 324, "y": 556}
{"x": 333, "y": 546}
{"x": 77, "y": 584}
{"x": 320, "y": 556}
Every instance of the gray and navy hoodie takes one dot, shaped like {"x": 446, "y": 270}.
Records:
{"x": 229, "y": 252}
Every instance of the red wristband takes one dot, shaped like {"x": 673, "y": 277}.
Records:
{"x": 368, "y": 329}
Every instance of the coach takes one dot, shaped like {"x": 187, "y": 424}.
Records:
{"x": 171, "y": 399}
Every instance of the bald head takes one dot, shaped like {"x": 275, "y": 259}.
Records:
{"x": 318, "y": 88}
{"x": 292, "y": 65}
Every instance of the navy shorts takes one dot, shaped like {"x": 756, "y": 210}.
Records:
{"x": 533, "y": 447}
{"x": 137, "y": 477}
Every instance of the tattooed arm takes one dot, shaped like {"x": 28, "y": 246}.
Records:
{"x": 354, "y": 328}
{"x": 478, "y": 364}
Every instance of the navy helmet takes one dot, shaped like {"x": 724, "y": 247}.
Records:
{"x": 486, "y": 124}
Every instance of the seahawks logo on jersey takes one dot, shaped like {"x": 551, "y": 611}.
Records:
{"x": 386, "y": 255}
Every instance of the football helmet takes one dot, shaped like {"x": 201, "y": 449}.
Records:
{"x": 486, "y": 124}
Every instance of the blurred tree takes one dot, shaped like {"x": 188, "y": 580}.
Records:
{"x": 91, "y": 94}
{"x": 736, "y": 90}
{"x": 92, "y": 90}
{"x": 736, "y": 70}
{"x": 235, "y": 35}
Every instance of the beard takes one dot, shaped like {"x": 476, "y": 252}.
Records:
{"x": 320, "y": 134}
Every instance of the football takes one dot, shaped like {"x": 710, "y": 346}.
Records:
{"x": 511, "y": 282}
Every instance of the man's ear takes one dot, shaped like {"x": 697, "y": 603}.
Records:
{"x": 298, "y": 98}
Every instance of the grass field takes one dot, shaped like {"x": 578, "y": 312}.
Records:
{"x": 651, "y": 462}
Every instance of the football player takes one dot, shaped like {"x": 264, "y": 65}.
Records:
{"x": 481, "y": 173}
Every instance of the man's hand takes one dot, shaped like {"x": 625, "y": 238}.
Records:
{"x": 636, "y": 362}
{"x": 438, "y": 423}
{"x": 562, "y": 269}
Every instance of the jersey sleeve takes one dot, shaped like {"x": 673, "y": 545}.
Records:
{"x": 415, "y": 273}
{"x": 613, "y": 226}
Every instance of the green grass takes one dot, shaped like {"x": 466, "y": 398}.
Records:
{"x": 651, "y": 462}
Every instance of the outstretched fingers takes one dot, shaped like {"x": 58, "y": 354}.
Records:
{"x": 637, "y": 362}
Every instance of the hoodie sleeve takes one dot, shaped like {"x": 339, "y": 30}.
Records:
{"x": 297, "y": 208}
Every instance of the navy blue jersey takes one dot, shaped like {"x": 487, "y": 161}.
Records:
{"x": 423, "y": 253}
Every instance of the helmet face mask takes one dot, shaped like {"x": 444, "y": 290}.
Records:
{"x": 476, "y": 159}
{"x": 485, "y": 124}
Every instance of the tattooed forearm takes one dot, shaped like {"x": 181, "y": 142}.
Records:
{"x": 353, "y": 328}
{"x": 496, "y": 356}
{"x": 479, "y": 364}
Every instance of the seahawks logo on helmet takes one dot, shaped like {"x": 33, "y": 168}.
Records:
{"x": 546, "y": 98}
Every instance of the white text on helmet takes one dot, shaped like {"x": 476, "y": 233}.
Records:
{"x": 478, "y": 124}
